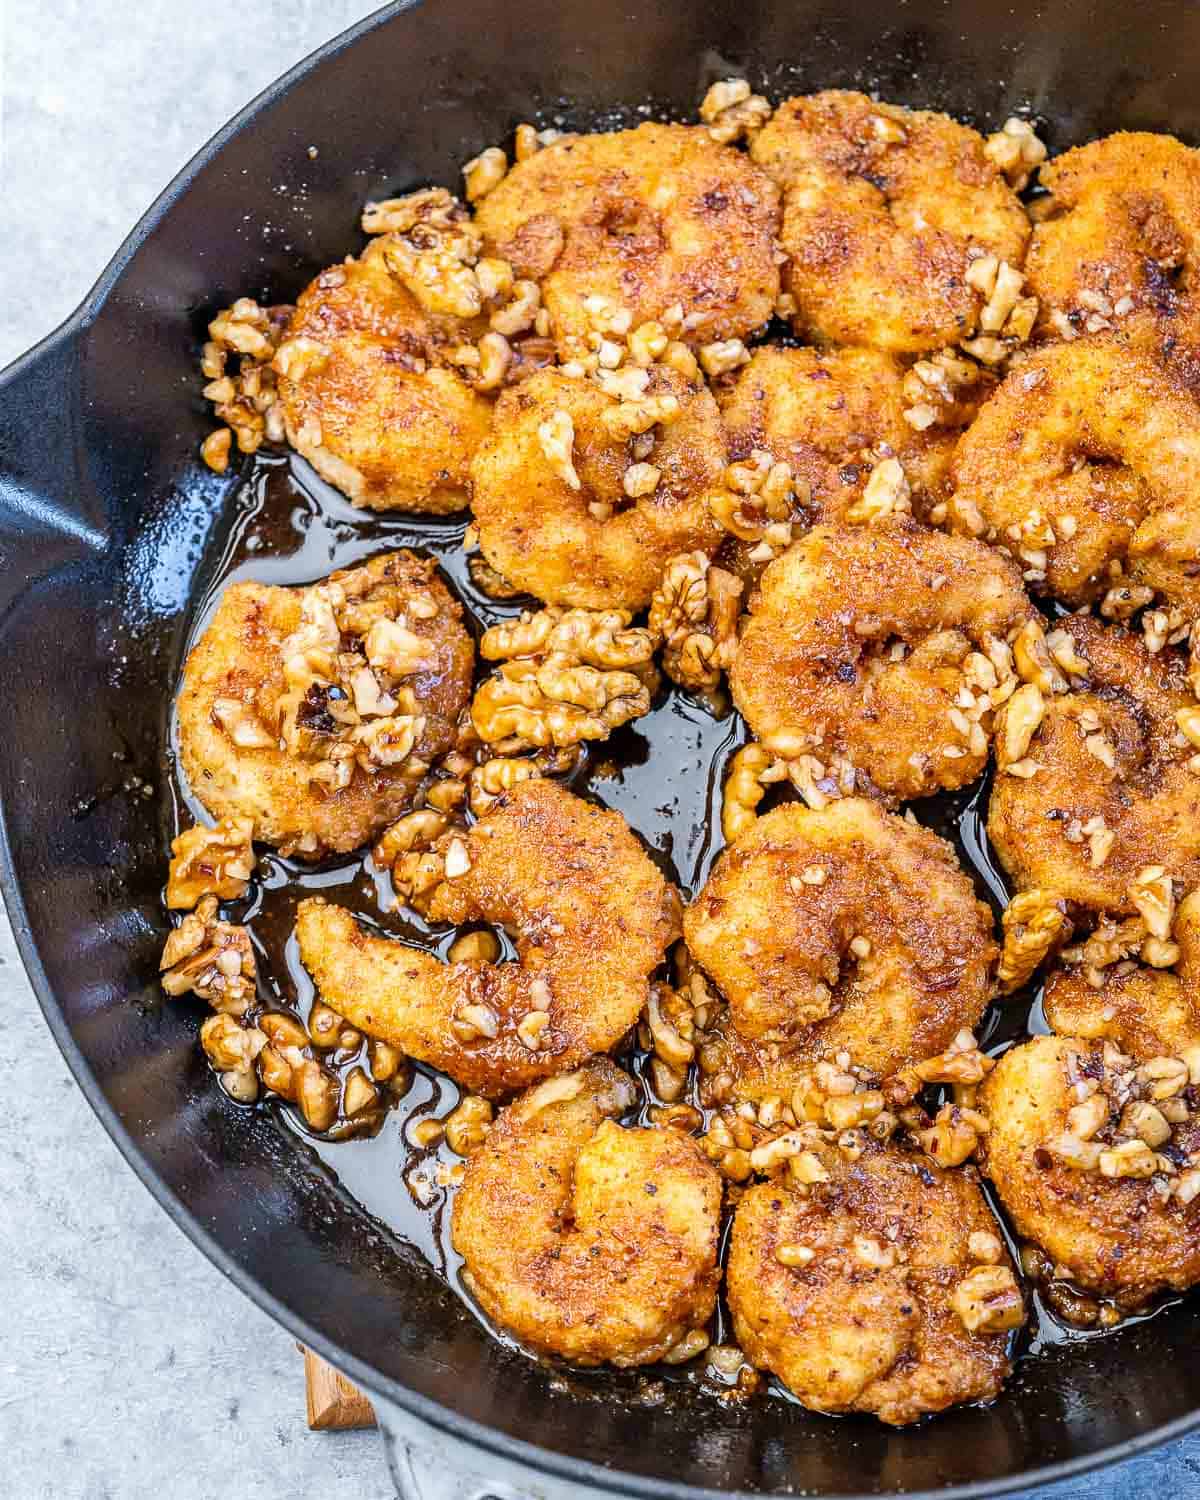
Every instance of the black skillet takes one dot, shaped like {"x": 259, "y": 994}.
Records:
{"x": 110, "y": 530}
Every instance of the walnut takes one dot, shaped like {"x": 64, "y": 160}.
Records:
{"x": 211, "y": 959}
{"x": 954, "y": 1135}
{"x": 432, "y": 250}
{"x": 887, "y": 493}
{"x": 944, "y": 389}
{"x": 751, "y": 770}
{"x": 1153, "y": 895}
{"x": 494, "y": 777}
{"x": 695, "y": 611}
{"x": 484, "y": 172}
{"x": 757, "y": 503}
{"x": 1034, "y": 922}
{"x": 1020, "y": 720}
{"x": 1016, "y": 152}
{"x": 988, "y": 1300}
{"x": 565, "y": 676}
{"x": 217, "y": 861}
{"x": 243, "y": 399}
{"x": 556, "y": 435}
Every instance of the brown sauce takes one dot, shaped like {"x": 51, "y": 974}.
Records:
{"x": 664, "y": 773}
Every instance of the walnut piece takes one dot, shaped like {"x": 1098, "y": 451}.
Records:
{"x": 695, "y": 612}
{"x": 1034, "y": 922}
{"x": 216, "y": 861}
{"x": 211, "y": 959}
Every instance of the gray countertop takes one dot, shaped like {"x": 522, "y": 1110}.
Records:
{"x": 128, "y": 1365}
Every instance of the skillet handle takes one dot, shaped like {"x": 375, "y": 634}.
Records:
{"x": 51, "y": 514}
{"x": 427, "y": 1463}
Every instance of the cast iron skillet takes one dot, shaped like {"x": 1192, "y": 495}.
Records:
{"x": 105, "y": 517}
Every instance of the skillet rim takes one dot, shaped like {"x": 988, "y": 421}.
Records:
{"x": 477, "y": 1435}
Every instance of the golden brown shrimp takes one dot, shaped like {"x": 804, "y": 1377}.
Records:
{"x": 832, "y": 415}
{"x": 1120, "y": 244}
{"x": 316, "y": 711}
{"x": 848, "y": 930}
{"x": 883, "y": 210}
{"x": 882, "y": 1287}
{"x": 1103, "y": 785}
{"x": 1091, "y": 1152}
{"x": 659, "y": 221}
{"x": 363, "y": 399}
{"x": 591, "y": 916}
{"x": 552, "y": 486}
{"x": 584, "y": 1239}
{"x": 1085, "y": 465}
{"x": 1144, "y": 1009}
{"x": 863, "y": 646}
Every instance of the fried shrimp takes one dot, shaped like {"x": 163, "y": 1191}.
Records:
{"x": 1092, "y": 1154}
{"x": 584, "y": 1239}
{"x": 1147, "y": 1010}
{"x": 1105, "y": 785}
{"x": 1120, "y": 245}
{"x": 315, "y": 711}
{"x": 591, "y": 917}
{"x": 657, "y": 220}
{"x": 833, "y": 415}
{"x": 848, "y": 930}
{"x": 552, "y": 489}
{"x": 363, "y": 399}
{"x": 883, "y": 210}
{"x": 882, "y": 1287}
{"x": 876, "y": 647}
{"x": 1084, "y": 462}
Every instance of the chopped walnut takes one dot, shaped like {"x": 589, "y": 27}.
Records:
{"x": 217, "y": 861}
{"x": 556, "y": 436}
{"x": 1153, "y": 896}
{"x": 211, "y": 959}
{"x": 756, "y": 503}
{"x": 244, "y": 398}
{"x": 1016, "y": 151}
{"x": 954, "y": 1135}
{"x": 887, "y": 493}
{"x": 695, "y": 611}
{"x": 565, "y": 676}
{"x": 732, "y": 112}
{"x": 1035, "y": 922}
{"x": 484, "y": 172}
{"x": 988, "y": 1300}
{"x": 944, "y": 389}
{"x": 752, "y": 768}
{"x": 723, "y": 357}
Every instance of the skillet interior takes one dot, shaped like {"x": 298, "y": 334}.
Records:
{"x": 106, "y": 523}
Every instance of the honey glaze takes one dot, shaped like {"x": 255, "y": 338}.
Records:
{"x": 283, "y": 525}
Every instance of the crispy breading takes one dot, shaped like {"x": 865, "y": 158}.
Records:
{"x": 591, "y": 915}
{"x": 1121, "y": 244}
{"x": 1117, "y": 1236}
{"x": 1052, "y": 829}
{"x": 655, "y": 218}
{"x": 585, "y": 1239}
{"x": 882, "y": 210}
{"x": 362, "y": 387}
{"x": 831, "y": 414}
{"x": 856, "y": 645}
{"x": 1088, "y": 454}
{"x": 589, "y": 544}
{"x": 774, "y": 927}
{"x": 239, "y": 661}
{"x": 866, "y": 1323}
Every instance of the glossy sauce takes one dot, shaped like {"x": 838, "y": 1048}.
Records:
{"x": 664, "y": 773}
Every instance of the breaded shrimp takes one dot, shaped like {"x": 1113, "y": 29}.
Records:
{"x": 591, "y": 916}
{"x": 883, "y": 208}
{"x": 654, "y": 219}
{"x": 1120, "y": 247}
{"x": 584, "y": 1239}
{"x": 1113, "y": 791}
{"x": 549, "y": 499}
{"x": 363, "y": 400}
{"x": 846, "y": 930}
{"x": 315, "y": 711}
{"x": 1068, "y": 1155}
{"x": 883, "y": 1288}
{"x": 860, "y": 643}
{"x": 1144, "y": 1011}
{"x": 832, "y": 415}
{"x": 1088, "y": 454}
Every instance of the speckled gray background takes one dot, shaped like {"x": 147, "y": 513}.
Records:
{"x": 128, "y": 1366}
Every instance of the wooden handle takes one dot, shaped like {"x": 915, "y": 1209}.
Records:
{"x": 334, "y": 1403}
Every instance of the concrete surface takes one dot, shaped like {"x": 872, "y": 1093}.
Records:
{"x": 128, "y": 1367}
